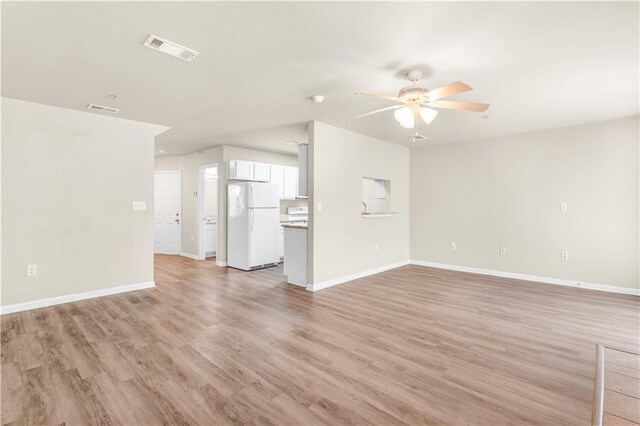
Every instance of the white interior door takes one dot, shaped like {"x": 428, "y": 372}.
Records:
{"x": 167, "y": 214}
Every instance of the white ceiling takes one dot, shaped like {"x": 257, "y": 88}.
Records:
{"x": 540, "y": 65}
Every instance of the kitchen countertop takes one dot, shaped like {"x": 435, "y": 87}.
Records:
{"x": 295, "y": 225}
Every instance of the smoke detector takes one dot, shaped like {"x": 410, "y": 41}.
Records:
{"x": 170, "y": 48}
{"x": 102, "y": 108}
{"x": 317, "y": 99}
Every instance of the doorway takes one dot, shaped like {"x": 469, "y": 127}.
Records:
{"x": 167, "y": 211}
{"x": 208, "y": 189}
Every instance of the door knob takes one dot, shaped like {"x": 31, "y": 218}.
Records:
{"x": 177, "y": 220}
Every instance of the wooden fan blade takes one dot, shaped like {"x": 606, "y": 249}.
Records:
{"x": 373, "y": 95}
{"x": 448, "y": 90}
{"x": 466, "y": 106}
{"x": 379, "y": 110}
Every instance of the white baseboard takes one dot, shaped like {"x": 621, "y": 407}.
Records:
{"x": 221, "y": 264}
{"x": 525, "y": 277}
{"x": 347, "y": 278}
{"x": 189, "y": 255}
{"x": 58, "y": 300}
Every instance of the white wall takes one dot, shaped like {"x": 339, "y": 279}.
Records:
{"x": 189, "y": 164}
{"x": 211, "y": 197}
{"x": 506, "y": 191}
{"x": 68, "y": 181}
{"x": 342, "y": 241}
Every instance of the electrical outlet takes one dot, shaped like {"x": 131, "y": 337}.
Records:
{"x": 503, "y": 250}
{"x": 564, "y": 207}
{"x": 564, "y": 255}
{"x": 319, "y": 207}
{"x": 138, "y": 205}
{"x": 453, "y": 246}
{"x": 32, "y": 270}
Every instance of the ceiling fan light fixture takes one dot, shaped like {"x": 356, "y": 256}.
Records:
{"x": 404, "y": 116}
{"x": 428, "y": 114}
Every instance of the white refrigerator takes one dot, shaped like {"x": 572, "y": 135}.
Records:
{"x": 253, "y": 225}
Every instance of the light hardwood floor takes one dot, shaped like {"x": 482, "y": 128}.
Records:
{"x": 412, "y": 345}
{"x": 621, "y": 388}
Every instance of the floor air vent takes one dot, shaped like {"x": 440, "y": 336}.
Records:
{"x": 101, "y": 108}
{"x": 170, "y": 48}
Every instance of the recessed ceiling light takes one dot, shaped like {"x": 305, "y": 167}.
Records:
{"x": 102, "y": 108}
{"x": 170, "y": 48}
{"x": 317, "y": 99}
{"x": 162, "y": 151}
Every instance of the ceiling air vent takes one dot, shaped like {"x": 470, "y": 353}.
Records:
{"x": 170, "y": 48}
{"x": 101, "y": 108}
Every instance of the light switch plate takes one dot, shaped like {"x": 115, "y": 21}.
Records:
{"x": 139, "y": 205}
{"x": 32, "y": 270}
{"x": 564, "y": 207}
{"x": 564, "y": 255}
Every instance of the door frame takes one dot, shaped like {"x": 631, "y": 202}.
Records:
{"x": 200, "y": 210}
{"x": 179, "y": 172}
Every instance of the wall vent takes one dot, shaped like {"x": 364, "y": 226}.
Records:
{"x": 101, "y": 108}
{"x": 170, "y": 48}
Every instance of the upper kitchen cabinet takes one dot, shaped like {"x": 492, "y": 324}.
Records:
{"x": 261, "y": 172}
{"x": 303, "y": 166}
{"x": 284, "y": 176}
{"x": 240, "y": 170}
{"x": 248, "y": 170}
{"x": 277, "y": 177}
{"x": 290, "y": 187}
{"x": 287, "y": 180}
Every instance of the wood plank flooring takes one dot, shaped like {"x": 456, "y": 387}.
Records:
{"x": 621, "y": 388}
{"x": 413, "y": 345}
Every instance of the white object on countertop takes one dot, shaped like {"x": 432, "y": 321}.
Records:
{"x": 298, "y": 211}
{"x": 253, "y": 225}
{"x": 295, "y": 255}
{"x": 296, "y": 214}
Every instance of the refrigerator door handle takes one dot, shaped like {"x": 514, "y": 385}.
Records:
{"x": 252, "y": 201}
{"x": 252, "y": 213}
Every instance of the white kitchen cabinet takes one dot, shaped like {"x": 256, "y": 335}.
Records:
{"x": 277, "y": 177}
{"x": 287, "y": 180}
{"x": 281, "y": 243}
{"x": 303, "y": 164}
{"x": 240, "y": 170}
{"x": 261, "y": 172}
{"x": 295, "y": 255}
{"x": 248, "y": 170}
{"x": 290, "y": 184}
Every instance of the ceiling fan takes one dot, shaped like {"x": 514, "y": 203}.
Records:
{"x": 417, "y": 103}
